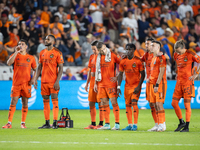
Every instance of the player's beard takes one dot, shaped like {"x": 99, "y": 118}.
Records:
{"x": 47, "y": 44}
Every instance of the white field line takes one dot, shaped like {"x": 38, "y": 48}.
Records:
{"x": 99, "y": 143}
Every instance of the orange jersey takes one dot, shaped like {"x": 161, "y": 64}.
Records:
{"x": 147, "y": 57}
{"x": 184, "y": 66}
{"x": 108, "y": 71}
{"x": 22, "y": 68}
{"x": 156, "y": 64}
{"x": 3, "y": 55}
{"x": 132, "y": 70}
{"x": 139, "y": 53}
{"x": 92, "y": 66}
{"x": 50, "y": 60}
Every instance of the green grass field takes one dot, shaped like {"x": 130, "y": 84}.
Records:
{"x": 79, "y": 138}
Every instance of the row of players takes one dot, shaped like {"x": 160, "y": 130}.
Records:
{"x": 103, "y": 82}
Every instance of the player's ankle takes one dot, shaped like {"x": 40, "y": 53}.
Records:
{"x": 93, "y": 123}
{"x": 181, "y": 121}
{"x": 47, "y": 122}
{"x": 22, "y": 122}
{"x": 101, "y": 123}
{"x": 9, "y": 122}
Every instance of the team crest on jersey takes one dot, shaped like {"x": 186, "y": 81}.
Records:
{"x": 51, "y": 56}
{"x": 28, "y": 60}
{"x": 196, "y": 56}
{"x": 161, "y": 60}
{"x": 185, "y": 59}
{"x": 134, "y": 65}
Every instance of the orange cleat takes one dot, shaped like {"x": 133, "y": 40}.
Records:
{"x": 7, "y": 126}
{"x": 91, "y": 127}
{"x": 99, "y": 126}
{"x": 23, "y": 126}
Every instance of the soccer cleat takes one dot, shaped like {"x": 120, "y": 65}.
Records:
{"x": 7, "y": 126}
{"x": 23, "y": 126}
{"x": 164, "y": 126}
{"x": 184, "y": 130}
{"x": 127, "y": 128}
{"x": 160, "y": 128}
{"x": 45, "y": 126}
{"x": 116, "y": 127}
{"x": 180, "y": 126}
{"x": 105, "y": 127}
{"x": 55, "y": 125}
{"x": 91, "y": 127}
{"x": 99, "y": 126}
{"x": 154, "y": 128}
{"x": 134, "y": 128}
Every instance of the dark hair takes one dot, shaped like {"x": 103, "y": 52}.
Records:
{"x": 131, "y": 45}
{"x": 117, "y": 4}
{"x": 23, "y": 40}
{"x": 150, "y": 39}
{"x": 99, "y": 45}
{"x": 157, "y": 42}
{"x": 52, "y": 37}
{"x": 60, "y": 6}
{"x": 79, "y": 15}
{"x": 32, "y": 40}
{"x": 94, "y": 43}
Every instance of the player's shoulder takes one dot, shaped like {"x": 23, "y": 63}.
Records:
{"x": 161, "y": 57}
{"x": 191, "y": 52}
{"x": 57, "y": 50}
{"x": 138, "y": 58}
{"x": 92, "y": 56}
{"x": 42, "y": 51}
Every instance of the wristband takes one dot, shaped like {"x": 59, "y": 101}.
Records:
{"x": 157, "y": 85}
{"x": 118, "y": 87}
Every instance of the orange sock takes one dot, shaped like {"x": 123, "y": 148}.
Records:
{"x": 11, "y": 112}
{"x": 55, "y": 108}
{"x": 46, "y": 109}
{"x": 24, "y": 113}
{"x": 154, "y": 115}
{"x": 177, "y": 108}
{"x": 116, "y": 112}
{"x": 188, "y": 110}
{"x": 135, "y": 112}
{"x": 106, "y": 113}
{"x": 157, "y": 117}
{"x": 101, "y": 116}
{"x": 93, "y": 113}
{"x": 160, "y": 116}
{"x": 129, "y": 113}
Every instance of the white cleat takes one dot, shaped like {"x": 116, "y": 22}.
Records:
{"x": 164, "y": 126}
{"x": 105, "y": 127}
{"x": 154, "y": 128}
{"x": 116, "y": 127}
{"x": 160, "y": 128}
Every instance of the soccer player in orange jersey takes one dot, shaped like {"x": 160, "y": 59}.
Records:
{"x": 92, "y": 95}
{"x": 158, "y": 84}
{"x": 105, "y": 78}
{"x": 51, "y": 65}
{"x": 22, "y": 81}
{"x": 183, "y": 89}
{"x": 135, "y": 74}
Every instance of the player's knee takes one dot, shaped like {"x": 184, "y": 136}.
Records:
{"x": 54, "y": 96}
{"x": 174, "y": 103}
{"x": 113, "y": 100}
{"x": 91, "y": 104}
{"x": 14, "y": 100}
{"x": 45, "y": 96}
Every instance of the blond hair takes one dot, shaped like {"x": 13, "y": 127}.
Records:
{"x": 180, "y": 44}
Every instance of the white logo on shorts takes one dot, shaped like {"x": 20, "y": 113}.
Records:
{"x": 83, "y": 96}
{"x": 32, "y": 99}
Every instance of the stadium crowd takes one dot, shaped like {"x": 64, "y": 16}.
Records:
{"x": 76, "y": 23}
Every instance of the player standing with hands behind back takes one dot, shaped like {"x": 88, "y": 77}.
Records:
{"x": 21, "y": 86}
{"x": 51, "y": 65}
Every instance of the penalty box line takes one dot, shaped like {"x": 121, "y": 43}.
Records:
{"x": 100, "y": 143}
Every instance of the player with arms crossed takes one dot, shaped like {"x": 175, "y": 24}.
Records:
{"x": 92, "y": 95}
{"x": 184, "y": 59}
{"x": 158, "y": 84}
{"x": 135, "y": 74}
{"x": 106, "y": 80}
{"x": 51, "y": 65}
{"x": 22, "y": 81}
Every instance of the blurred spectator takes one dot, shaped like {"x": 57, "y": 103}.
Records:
{"x": 96, "y": 9}
{"x": 66, "y": 26}
{"x": 34, "y": 32}
{"x": 177, "y": 33}
{"x": 132, "y": 6}
{"x": 190, "y": 19}
{"x": 137, "y": 13}
{"x": 153, "y": 8}
{"x": 14, "y": 17}
{"x": 68, "y": 75}
{"x": 46, "y": 15}
{"x": 40, "y": 47}
{"x": 147, "y": 16}
{"x": 89, "y": 18}
{"x": 192, "y": 34}
{"x": 18, "y": 5}
{"x": 170, "y": 40}
{"x": 174, "y": 21}
{"x": 14, "y": 38}
{"x": 115, "y": 17}
{"x": 79, "y": 7}
{"x": 106, "y": 13}
{"x": 161, "y": 30}
{"x": 3, "y": 55}
{"x": 123, "y": 40}
{"x": 103, "y": 35}
{"x": 1, "y": 37}
{"x": 32, "y": 47}
{"x": 192, "y": 46}
{"x": 197, "y": 25}
{"x": 195, "y": 8}
{"x": 83, "y": 73}
{"x": 157, "y": 18}
{"x": 174, "y": 8}
{"x": 86, "y": 50}
{"x": 166, "y": 13}
{"x": 139, "y": 52}
{"x": 60, "y": 12}
{"x": 185, "y": 29}
{"x": 35, "y": 19}
{"x": 4, "y": 27}
{"x": 56, "y": 27}
{"x": 121, "y": 51}
{"x": 164, "y": 42}
{"x": 145, "y": 6}
{"x": 24, "y": 32}
{"x": 183, "y": 8}
{"x": 74, "y": 23}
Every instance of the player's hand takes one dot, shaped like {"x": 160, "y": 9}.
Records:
{"x": 35, "y": 84}
{"x": 31, "y": 82}
{"x": 147, "y": 80}
{"x": 124, "y": 56}
{"x": 193, "y": 77}
{"x": 86, "y": 87}
{"x": 17, "y": 49}
{"x": 160, "y": 54}
{"x": 95, "y": 88}
{"x": 56, "y": 86}
{"x": 113, "y": 79}
{"x": 137, "y": 90}
{"x": 155, "y": 89}
{"x": 119, "y": 92}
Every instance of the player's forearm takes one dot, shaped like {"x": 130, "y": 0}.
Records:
{"x": 12, "y": 59}
{"x": 120, "y": 76}
{"x": 60, "y": 66}
{"x": 38, "y": 71}
{"x": 88, "y": 77}
{"x": 34, "y": 74}
{"x": 166, "y": 56}
{"x": 160, "y": 76}
{"x": 142, "y": 77}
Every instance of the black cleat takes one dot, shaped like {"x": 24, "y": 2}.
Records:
{"x": 45, "y": 126}
{"x": 180, "y": 126}
{"x": 55, "y": 125}
{"x": 184, "y": 130}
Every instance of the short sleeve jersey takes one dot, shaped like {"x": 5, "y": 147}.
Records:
{"x": 50, "y": 60}
{"x": 92, "y": 66}
{"x": 147, "y": 58}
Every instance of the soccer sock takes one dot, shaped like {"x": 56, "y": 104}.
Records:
{"x": 154, "y": 115}
{"x": 24, "y": 113}
{"x": 181, "y": 121}
{"x": 11, "y": 113}
{"x": 135, "y": 112}
{"x": 187, "y": 109}
{"x": 55, "y": 108}
{"x": 157, "y": 117}
{"x": 93, "y": 115}
{"x": 101, "y": 116}
{"x": 106, "y": 113}
{"x": 177, "y": 108}
{"x": 116, "y": 112}
{"x": 46, "y": 109}
{"x": 187, "y": 125}
{"x": 161, "y": 116}
{"x": 129, "y": 113}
